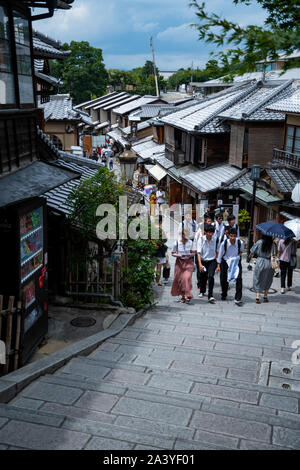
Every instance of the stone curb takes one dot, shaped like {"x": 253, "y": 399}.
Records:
{"x": 12, "y": 383}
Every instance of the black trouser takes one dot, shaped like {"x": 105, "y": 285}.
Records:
{"x": 224, "y": 282}
{"x": 208, "y": 275}
{"x": 286, "y": 269}
{"x": 198, "y": 271}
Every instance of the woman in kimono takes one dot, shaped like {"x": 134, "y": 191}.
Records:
{"x": 184, "y": 251}
{"x": 263, "y": 272}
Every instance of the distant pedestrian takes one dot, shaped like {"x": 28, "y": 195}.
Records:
{"x": 207, "y": 252}
{"x": 263, "y": 272}
{"x": 231, "y": 251}
{"x": 111, "y": 163}
{"x": 190, "y": 224}
{"x": 287, "y": 250}
{"x": 161, "y": 252}
{"x": 184, "y": 251}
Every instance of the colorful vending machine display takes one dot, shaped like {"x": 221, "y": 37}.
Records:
{"x": 31, "y": 243}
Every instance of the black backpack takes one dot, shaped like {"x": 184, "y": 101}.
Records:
{"x": 225, "y": 246}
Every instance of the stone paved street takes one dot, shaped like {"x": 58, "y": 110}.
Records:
{"x": 196, "y": 376}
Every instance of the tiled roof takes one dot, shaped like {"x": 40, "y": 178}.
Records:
{"x": 241, "y": 179}
{"x": 199, "y": 115}
{"x": 47, "y": 47}
{"x": 107, "y": 99}
{"x": 152, "y": 110}
{"x": 253, "y": 106}
{"x": 210, "y": 179}
{"x": 59, "y": 108}
{"x": 164, "y": 162}
{"x": 125, "y": 101}
{"x": 58, "y": 198}
{"x": 125, "y": 109}
{"x": 248, "y": 77}
{"x": 148, "y": 149}
{"x": 90, "y": 103}
{"x": 117, "y": 135}
{"x": 284, "y": 179}
{"x": 38, "y": 65}
{"x": 290, "y": 104}
{"x": 48, "y": 78}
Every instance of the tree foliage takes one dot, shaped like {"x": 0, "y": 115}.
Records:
{"x": 141, "y": 79}
{"x": 83, "y": 72}
{"x": 184, "y": 76}
{"x": 250, "y": 44}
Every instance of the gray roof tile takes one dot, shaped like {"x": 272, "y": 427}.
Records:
{"x": 291, "y": 104}
{"x": 198, "y": 115}
{"x": 209, "y": 179}
{"x": 45, "y": 46}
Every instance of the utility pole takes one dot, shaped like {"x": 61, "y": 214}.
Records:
{"x": 154, "y": 67}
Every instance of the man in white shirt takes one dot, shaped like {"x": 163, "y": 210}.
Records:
{"x": 230, "y": 248}
{"x": 206, "y": 252}
{"x": 231, "y": 224}
{"x": 219, "y": 224}
{"x": 160, "y": 196}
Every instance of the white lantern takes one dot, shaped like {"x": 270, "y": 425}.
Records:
{"x": 128, "y": 161}
{"x": 296, "y": 193}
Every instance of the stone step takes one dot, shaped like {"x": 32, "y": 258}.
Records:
{"x": 246, "y": 337}
{"x": 138, "y": 412}
{"x": 213, "y": 316}
{"x": 245, "y": 349}
{"x": 174, "y": 382}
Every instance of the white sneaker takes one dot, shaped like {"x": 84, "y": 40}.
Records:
{"x": 211, "y": 300}
{"x": 238, "y": 302}
{"x": 200, "y": 295}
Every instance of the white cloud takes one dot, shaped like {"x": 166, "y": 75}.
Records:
{"x": 178, "y": 34}
{"x": 163, "y": 61}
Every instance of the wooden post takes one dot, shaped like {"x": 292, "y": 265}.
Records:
{"x": 8, "y": 332}
{"x": 18, "y": 333}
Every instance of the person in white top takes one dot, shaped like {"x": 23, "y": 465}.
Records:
{"x": 231, "y": 224}
{"x": 230, "y": 248}
{"x": 219, "y": 224}
{"x": 160, "y": 196}
{"x": 190, "y": 224}
{"x": 206, "y": 252}
{"x": 184, "y": 250}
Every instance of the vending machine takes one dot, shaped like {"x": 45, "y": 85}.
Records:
{"x": 24, "y": 276}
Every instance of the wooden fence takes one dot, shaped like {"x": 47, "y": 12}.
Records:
{"x": 100, "y": 276}
{"x": 10, "y": 335}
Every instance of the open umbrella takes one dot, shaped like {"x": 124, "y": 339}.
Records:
{"x": 276, "y": 230}
{"x": 294, "y": 225}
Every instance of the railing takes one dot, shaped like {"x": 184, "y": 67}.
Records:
{"x": 290, "y": 160}
{"x": 175, "y": 155}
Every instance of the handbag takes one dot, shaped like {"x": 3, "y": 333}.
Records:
{"x": 166, "y": 272}
{"x": 293, "y": 261}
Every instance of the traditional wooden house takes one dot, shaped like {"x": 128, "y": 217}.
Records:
{"x": 121, "y": 112}
{"x": 27, "y": 170}
{"x": 63, "y": 123}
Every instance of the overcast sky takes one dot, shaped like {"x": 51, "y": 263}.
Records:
{"x": 122, "y": 29}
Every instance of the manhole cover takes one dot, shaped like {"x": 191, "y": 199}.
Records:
{"x": 286, "y": 386}
{"x": 83, "y": 321}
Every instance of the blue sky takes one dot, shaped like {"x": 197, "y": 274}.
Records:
{"x": 122, "y": 29}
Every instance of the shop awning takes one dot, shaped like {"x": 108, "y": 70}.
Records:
{"x": 32, "y": 181}
{"x": 102, "y": 125}
{"x": 157, "y": 172}
{"x": 262, "y": 196}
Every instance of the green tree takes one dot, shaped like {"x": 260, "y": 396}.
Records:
{"x": 252, "y": 43}
{"x": 83, "y": 72}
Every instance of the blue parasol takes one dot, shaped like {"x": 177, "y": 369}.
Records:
{"x": 275, "y": 230}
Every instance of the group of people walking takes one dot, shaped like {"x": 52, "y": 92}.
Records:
{"x": 212, "y": 247}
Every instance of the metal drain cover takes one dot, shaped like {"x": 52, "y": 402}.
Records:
{"x": 83, "y": 321}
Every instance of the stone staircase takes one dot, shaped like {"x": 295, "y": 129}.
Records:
{"x": 182, "y": 377}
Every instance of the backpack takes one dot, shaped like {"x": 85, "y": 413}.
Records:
{"x": 225, "y": 246}
{"x": 194, "y": 225}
